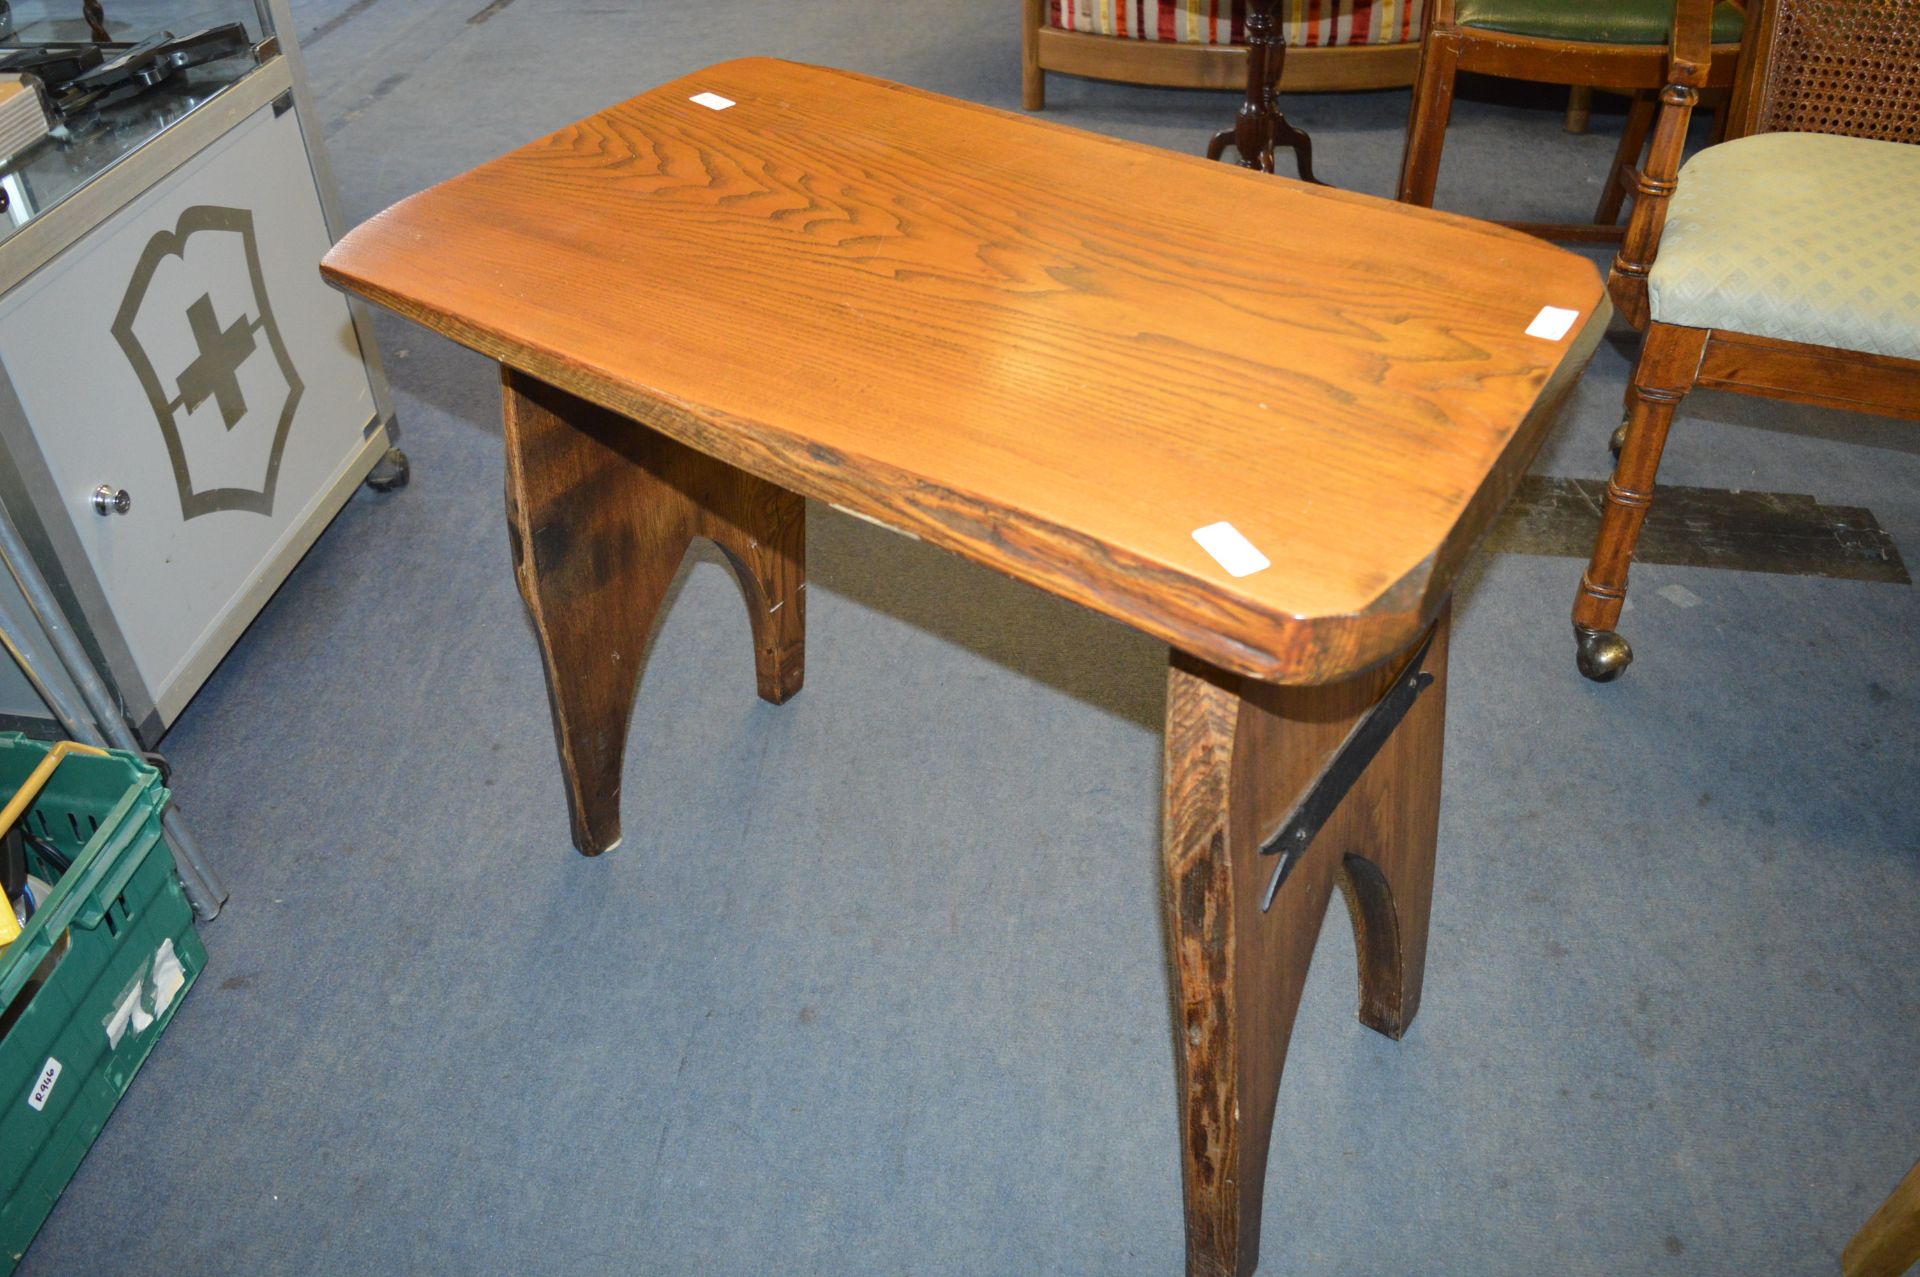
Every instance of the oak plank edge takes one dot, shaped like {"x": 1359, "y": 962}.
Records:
{"x": 1182, "y": 610}
{"x": 1477, "y": 521}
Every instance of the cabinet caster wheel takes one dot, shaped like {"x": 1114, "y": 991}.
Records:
{"x": 1617, "y": 440}
{"x": 1602, "y": 654}
{"x": 390, "y": 472}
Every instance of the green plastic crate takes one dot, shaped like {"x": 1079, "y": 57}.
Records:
{"x": 87, "y": 989}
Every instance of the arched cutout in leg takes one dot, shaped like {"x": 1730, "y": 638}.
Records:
{"x": 772, "y": 572}
{"x": 1386, "y": 831}
{"x": 1376, "y": 936}
{"x": 600, "y": 511}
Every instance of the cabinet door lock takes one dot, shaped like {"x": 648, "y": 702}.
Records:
{"x": 108, "y": 499}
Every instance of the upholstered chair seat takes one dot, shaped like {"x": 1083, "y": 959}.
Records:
{"x": 1806, "y": 237}
{"x": 1615, "y": 22}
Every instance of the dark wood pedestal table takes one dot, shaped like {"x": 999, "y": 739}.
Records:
{"x": 1082, "y": 362}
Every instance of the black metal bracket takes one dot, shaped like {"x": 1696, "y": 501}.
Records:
{"x": 1348, "y": 764}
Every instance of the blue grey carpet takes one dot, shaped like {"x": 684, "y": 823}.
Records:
{"x": 875, "y": 985}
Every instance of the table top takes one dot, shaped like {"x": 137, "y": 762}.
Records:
{"x": 1054, "y": 353}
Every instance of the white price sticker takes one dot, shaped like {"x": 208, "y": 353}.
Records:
{"x": 1231, "y": 550}
{"x": 1552, "y": 323}
{"x": 712, "y": 101}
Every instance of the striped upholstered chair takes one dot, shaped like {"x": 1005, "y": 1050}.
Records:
{"x": 1199, "y": 44}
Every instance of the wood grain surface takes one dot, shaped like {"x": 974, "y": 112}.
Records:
{"x": 1054, "y": 353}
{"x": 1239, "y": 755}
{"x": 600, "y": 512}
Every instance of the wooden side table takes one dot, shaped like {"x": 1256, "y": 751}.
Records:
{"x": 1070, "y": 359}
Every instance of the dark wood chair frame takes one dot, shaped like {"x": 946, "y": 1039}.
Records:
{"x": 1260, "y": 127}
{"x": 1637, "y": 70}
{"x": 1675, "y": 359}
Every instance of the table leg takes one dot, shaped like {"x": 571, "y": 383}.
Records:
{"x": 601, "y": 510}
{"x": 1239, "y": 754}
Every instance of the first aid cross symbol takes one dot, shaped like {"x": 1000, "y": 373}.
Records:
{"x": 216, "y": 372}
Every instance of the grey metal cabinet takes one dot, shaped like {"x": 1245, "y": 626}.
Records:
{"x": 184, "y": 405}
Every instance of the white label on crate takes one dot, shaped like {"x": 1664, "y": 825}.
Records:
{"x": 43, "y": 1085}
{"x": 1552, "y": 323}
{"x": 712, "y": 101}
{"x": 168, "y": 976}
{"x": 1231, "y": 550}
{"x": 128, "y": 1013}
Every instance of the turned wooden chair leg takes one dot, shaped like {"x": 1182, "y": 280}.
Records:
{"x": 1888, "y": 1244}
{"x": 1633, "y": 140}
{"x": 1427, "y": 126}
{"x": 1668, "y": 360}
{"x": 1239, "y": 754}
{"x": 600, "y": 511}
{"x": 1618, "y": 439}
{"x": 1579, "y": 108}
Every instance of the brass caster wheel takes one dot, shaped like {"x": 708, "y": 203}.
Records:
{"x": 1617, "y": 440}
{"x": 1602, "y": 654}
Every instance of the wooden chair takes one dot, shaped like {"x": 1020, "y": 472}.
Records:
{"x": 1785, "y": 263}
{"x": 1336, "y": 44}
{"x": 1617, "y": 45}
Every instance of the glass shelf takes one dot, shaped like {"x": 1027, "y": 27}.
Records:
{"x": 90, "y": 141}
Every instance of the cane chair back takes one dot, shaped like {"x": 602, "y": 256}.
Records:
{"x": 1849, "y": 67}
{"x": 1838, "y": 66}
